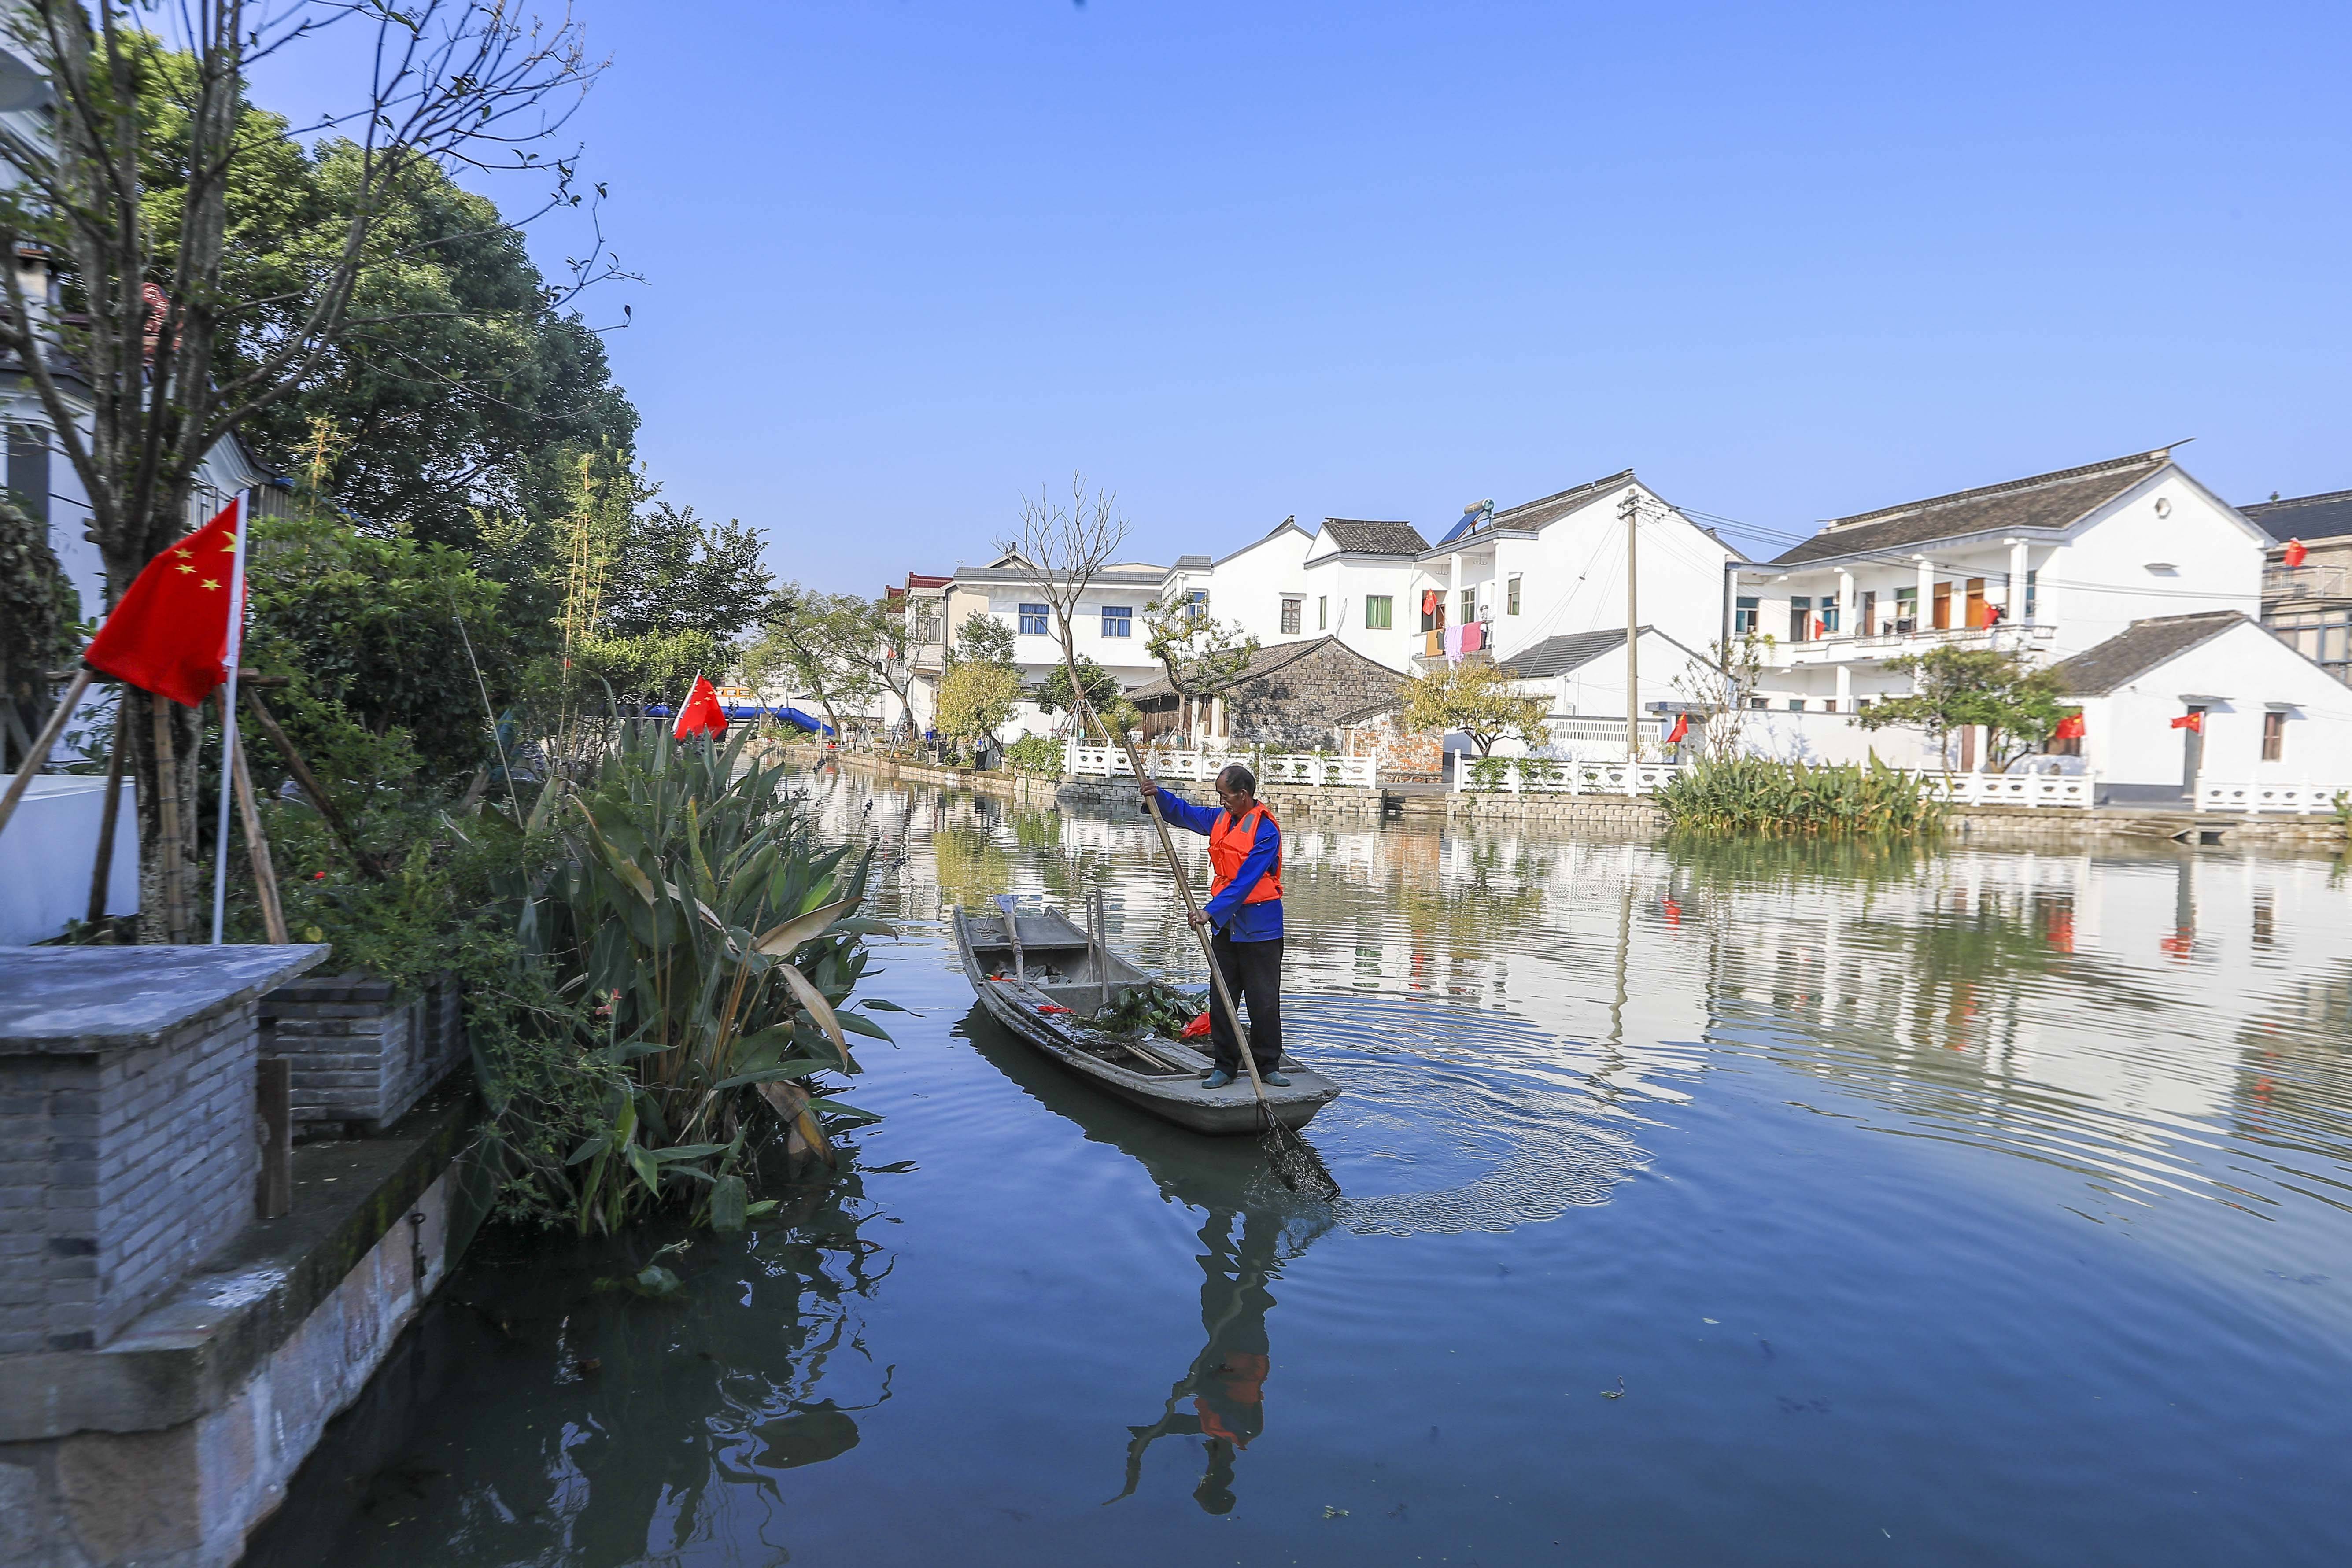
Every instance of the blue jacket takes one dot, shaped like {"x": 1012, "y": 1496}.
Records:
{"x": 1239, "y": 921}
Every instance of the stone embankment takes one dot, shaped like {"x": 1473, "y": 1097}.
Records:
{"x": 188, "y": 1296}
{"x": 1992, "y": 827}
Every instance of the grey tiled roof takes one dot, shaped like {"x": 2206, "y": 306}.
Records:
{"x": 2139, "y": 649}
{"x": 1536, "y": 513}
{"x": 2043, "y": 501}
{"x": 1558, "y": 656}
{"x": 2304, "y": 516}
{"x": 1268, "y": 661}
{"x": 1375, "y": 538}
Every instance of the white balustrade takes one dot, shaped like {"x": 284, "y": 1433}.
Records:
{"x": 2010, "y": 789}
{"x": 1304, "y": 768}
{"x": 2296, "y": 800}
{"x": 1547, "y": 775}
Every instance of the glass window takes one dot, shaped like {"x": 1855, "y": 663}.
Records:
{"x": 2029, "y": 598}
{"x": 1379, "y": 611}
{"x": 1118, "y": 620}
{"x": 1796, "y": 705}
{"x": 2332, "y": 649}
{"x": 1469, "y": 606}
{"x": 1830, "y": 614}
{"x": 1906, "y": 609}
{"x": 1033, "y": 620}
{"x": 2273, "y": 736}
{"x": 1293, "y": 610}
{"x": 1511, "y": 597}
{"x": 1743, "y": 616}
{"x": 1801, "y": 618}
{"x": 1322, "y": 612}
{"x": 1196, "y": 604}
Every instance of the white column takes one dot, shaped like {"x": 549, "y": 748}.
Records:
{"x": 1844, "y": 687}
{"x": 2015, "y": 615}
{"x": 1847, "y": 624}
{"x": 1453, "y": 590}
{"x": 1927, "y": 611}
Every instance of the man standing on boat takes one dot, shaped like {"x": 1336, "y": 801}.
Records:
{"x": 1245, "y": 910}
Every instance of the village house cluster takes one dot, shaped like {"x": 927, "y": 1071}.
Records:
{"x": 2201, "y": 639}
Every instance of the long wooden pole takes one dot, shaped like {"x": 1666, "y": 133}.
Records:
{"x": 35, "y": 759}
{"x": 101, "y": 874}
{"x": 256, "y": 849}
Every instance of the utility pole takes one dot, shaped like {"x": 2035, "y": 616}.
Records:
{"x": 1630, "y": 509}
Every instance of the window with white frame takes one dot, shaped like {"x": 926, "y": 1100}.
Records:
{"x": 1294, "y": 611}
{"x": 1511, "y": 596}
{"x": 1379, "y": 611}
{"x": 1322, "y": 612}
{"x": 1033, "y": 620}
{"x": 1744, "y": 611}
{"x": 1118, "y": 620}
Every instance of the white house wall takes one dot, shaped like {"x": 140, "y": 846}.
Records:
{"x": 1345, "y": 580}
{"x": 2098, "y": 582}
{"x": 2129, "y": 738}
{"x": 1571, "y": 576}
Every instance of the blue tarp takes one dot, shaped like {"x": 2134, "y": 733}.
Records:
{"x": 747, "y": 711}
{"x": 794, "y": 716}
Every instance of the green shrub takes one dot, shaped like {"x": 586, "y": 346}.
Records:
{"x": 1489, "y": 773}
{"x": 1036, "y": 755}
{"x": 1751, "y": 794}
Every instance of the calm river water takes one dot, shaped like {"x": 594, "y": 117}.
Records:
{"x": 1747, "y": 1206}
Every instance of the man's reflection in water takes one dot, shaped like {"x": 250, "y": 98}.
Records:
{"x": 1240, "y": 1259}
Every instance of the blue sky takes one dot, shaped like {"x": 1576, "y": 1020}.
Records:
{"x": 907, "y": 258}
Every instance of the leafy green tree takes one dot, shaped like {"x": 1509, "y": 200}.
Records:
{"x": 981, "y": 640}
{"x": 1200, "y": 657}
{"x": 823, "y": 644}
{"x": 975, "y": 700}
{"x": 1476, "y": 699}
{"x": 1958, "y": 687}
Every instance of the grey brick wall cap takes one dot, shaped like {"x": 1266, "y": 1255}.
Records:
{"x": 195, "y": 1349}
{"x": 77, "y": 1000}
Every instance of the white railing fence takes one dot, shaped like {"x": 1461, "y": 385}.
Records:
{"x": 1307, "y": 768}
{"x": 2297, "y": 800}
{"x": 2010, "y": 789}
{"x": 1546, "y": 775}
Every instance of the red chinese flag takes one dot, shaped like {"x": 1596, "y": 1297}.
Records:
{"x": 169, "y": 634}
{"x": 1681, "y": 728}
{"x": 701, "y": 715}
{"x": 2191, "y": 721}
{"x": 2296, "y": 553}
{"x": 2069, "y": 728}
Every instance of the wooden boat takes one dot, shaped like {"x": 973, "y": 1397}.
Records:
{"x": 1060, "y": 979}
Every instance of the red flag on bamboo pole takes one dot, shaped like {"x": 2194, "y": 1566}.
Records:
{"x": 169, "y": 633}
{"x": 1681, "y": 728}
{"x": 2296, "y": 552}
{"x": 701, "y": 714}
{"x": 2191, "y": 721}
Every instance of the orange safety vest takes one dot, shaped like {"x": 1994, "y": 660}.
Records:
{"x": 1229, "y": 844}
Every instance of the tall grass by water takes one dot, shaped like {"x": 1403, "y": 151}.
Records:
{"x": 1753, "y": 794}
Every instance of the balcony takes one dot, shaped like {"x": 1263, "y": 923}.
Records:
{"x": 1851, "y": 647}
{"x": 2287, "y": 585}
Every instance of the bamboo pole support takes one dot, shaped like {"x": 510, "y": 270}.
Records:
{"x": 167, "y": 819}
{"x": 101, "y": 874}
{"x": 256, "y": 849}
{"x": 48, "y": 738}
{"x": 312, "y": 788}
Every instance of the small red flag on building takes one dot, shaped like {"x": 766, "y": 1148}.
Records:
{"x": 2191, "y": 721}
{"x": 701, "y": 715}
{"x": 1681, "y": 728}
{"x": 2069, "y": 728}
{"x": 168, "y": 632}
{"x": 2295, "y": 554}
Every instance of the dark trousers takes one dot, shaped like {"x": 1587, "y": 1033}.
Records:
{"x": 1253, "y": 971}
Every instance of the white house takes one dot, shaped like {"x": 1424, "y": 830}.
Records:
{"x": 1582, "y": 676}
{"x": 2177, "y": 706}
{"x": 1264, "y": 587}
{"x": 2049, "y": 566}
{"x": 1108, "y": 628}
{"x": 1358, "y": 580}
{"x": 1558, "y": 567}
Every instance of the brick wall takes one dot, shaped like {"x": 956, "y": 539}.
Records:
{"x": 1396, "y": 753}
{"x": 1298, "y": 706}
{"x": 362, "y": 1051}
{"x": 118, "y": 1170}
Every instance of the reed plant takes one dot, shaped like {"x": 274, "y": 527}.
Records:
{"x": 1755, "y": 794}
{"x": 683, "y": 963}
